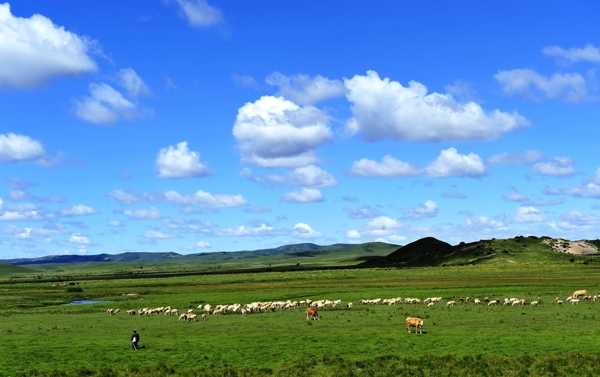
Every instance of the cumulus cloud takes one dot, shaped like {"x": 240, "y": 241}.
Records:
{"x": 483, "y": 224}
{"x": 78, "y": 210}
{"x": 589, "y": 53}
{"x": 105, "y": 105}
{"x": 143, "y": 214}
{"x": 243, "y": 231}
{"x": 78, "y": 239}
{"x": 589, "y": 188}
{"x": 129, "y": 79}
{"x": 388, "y": 167}
{"x": 305, "y": 90}
{"x": 385, "y": 109}
{"x": 205, "y": 199}
{"x": 305, "y": 231}
{"x": 202, "y": 245}
{"x": 116, "y": 224}
{"x": 424, "y": 210}
{"x": 10, "y": 215}
{"x": 526, "y": 214}
{"x": 199, "y": 13}
{"x": 21, "y": 148}
{"x": 275, "y": 132}
{"x": 34, "y": 50}
{"x": 569, "y": 87}
{"x": 452, "y": 164}
{"x": 179, "y": 162}
{"x": 134, "y": 196}
{"x": 515, "y": 196}
{"x": 381, "y": 226}
{"x": 156, "y": 235}
{"x": 577, "y": 221}
{"x": 528, "y": 157}
{"x": 306, "y": 195}
{"x": 308, "y": 176}
{"x": 559, "y": 167}
{"x": 448, "y": 164}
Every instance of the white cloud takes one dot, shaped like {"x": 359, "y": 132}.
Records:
{"x": 515, "y": 196}
{"x": 129, "y": 79}
{"x": 528, "y": 157}
{"x": 78, "y": 239}
{"x": 589, "y": 188}
{"x": 202, "y": 245}
{"x": 482, "y": 224}
{"x": 389, "y": 167}
{"x": 378, "y": 227}
{"x": 20, "y": 216}
{"x": 105, "y": 105}
{"x": 125, "y": 197}
{"x": 179, "y": 162}
{"x": 305, "y": 231}
{"x": 199, "y": 13}
{"x": 559, "y": 167}
{"x": 20, "y": 148}
{"x": 205, "y": 199}
{"x": 305, "y": 90}
{"x": 364, "y": 212}
{"x": 242, "y": 231}
{"x": 33, "y": 51}
{"x": 448, "y": 164}
{"x": 308, "y": 176}
{"x": 452, "y": 164}
{"x": 570, "y": 87}
{"x": 156, "y": 235}
{"x": 143, "y": 214}
{"x": 78, "y": 210}
{"x": 116, "y": 224}
{"x": 306, "y": 195}
{"x": 529, "y": 215}
{"x": 424, "y": 210}
{"x": 274, "y": 132}
{"x": 386, "y": 109}
{"x": 589, "y": 53}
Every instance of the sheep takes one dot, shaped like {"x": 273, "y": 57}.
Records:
{"x": 477, "y": 302}
{"x": 116, "y": 311}
{"x": 131, "y": 312}
{"x": 204, "y": 316}
{"x": 451, "y": 303}
{"x": 109, "y": 311}
{"x": 431, "y": 305}
{"x": 349, "y": 305}
{"x": 492, "y": 302}
{"x": 558, "y": 301}
{"x": 533, "y": 303}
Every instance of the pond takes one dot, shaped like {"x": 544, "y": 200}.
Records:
{"x": 87, "y": 302}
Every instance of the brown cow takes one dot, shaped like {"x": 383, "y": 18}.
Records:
{"x": 417, "y": 323}
{"x": 582, "y": 292}
{"x": 311, "y": 313}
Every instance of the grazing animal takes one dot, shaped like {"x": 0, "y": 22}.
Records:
{"x": 582, "y": 292}
{"x": 311, "y": 313}
{"x": 417, "y": 323}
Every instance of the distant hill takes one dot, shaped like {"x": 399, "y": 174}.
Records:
{"x": 170, "y": 256}
{"x": 9, "y": 269}
{"x": 430, "y": 251}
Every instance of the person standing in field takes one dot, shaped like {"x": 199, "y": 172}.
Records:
{"x": 135, "y": 338}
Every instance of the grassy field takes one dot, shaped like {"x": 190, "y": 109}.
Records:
{"x": 41, "y": 336}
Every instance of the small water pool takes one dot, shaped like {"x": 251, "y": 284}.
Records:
{"x": 87, "y": 302}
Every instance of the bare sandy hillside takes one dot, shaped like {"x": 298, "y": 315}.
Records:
{"x": 572, "y": 247}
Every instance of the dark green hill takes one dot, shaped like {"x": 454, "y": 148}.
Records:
{"x": 9, "y": 269}
{"x": 432, "y": 252}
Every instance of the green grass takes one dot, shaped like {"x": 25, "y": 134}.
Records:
{"x": 45, "y": 336}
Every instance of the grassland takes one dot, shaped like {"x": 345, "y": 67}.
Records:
{"x": 41, "y": 336}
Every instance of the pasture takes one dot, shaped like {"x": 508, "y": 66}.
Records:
{"x": 41, "y": 336}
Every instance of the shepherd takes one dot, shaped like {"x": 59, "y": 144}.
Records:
{"x": 135, "y": 338}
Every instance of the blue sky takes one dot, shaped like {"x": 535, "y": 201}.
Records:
{"x": 197, "y": 126}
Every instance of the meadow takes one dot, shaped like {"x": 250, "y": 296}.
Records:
{"x": 42, "y": 336}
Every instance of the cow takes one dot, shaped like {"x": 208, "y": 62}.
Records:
{"x": 311, "y": 313}
{"x": 417, "y": 323}
{"x": 582, "y": 292}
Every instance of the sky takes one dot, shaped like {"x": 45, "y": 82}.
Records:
{"x": 198, "y": 126}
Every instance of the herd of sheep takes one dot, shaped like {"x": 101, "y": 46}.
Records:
{"x": 272, "y": 306}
